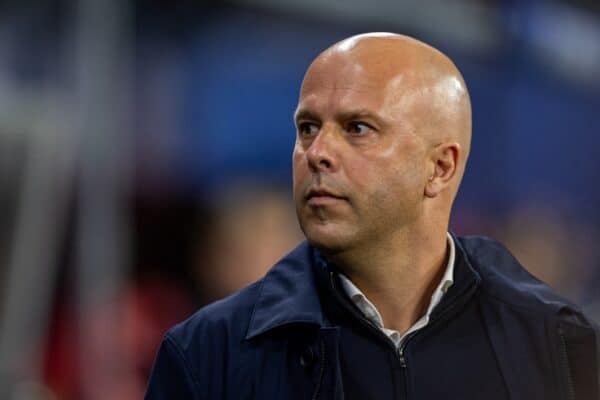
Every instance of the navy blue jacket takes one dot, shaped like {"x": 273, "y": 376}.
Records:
{"x": 498, "y": 333}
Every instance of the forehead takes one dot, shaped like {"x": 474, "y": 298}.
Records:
{"x": 336, "y": 78}
{"x": 337, "y": 82}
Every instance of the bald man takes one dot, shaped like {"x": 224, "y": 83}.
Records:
{"x": 381, "y": 301}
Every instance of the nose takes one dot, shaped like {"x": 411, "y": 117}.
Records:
{"x": 321, "y": 154}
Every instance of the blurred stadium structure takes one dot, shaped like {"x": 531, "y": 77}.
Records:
{"x": 145, "y": 160}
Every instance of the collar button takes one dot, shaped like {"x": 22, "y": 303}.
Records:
{"x": 307, "y": 358}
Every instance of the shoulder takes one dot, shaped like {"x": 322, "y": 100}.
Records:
{"x": 221, "y": 322}
{"x": 529, "y": 322}
{"x": 504, "y": 280}
{"x": 286, "y": 294}
{"x": 210, "y": 343}
{"x": 196, "y": 356}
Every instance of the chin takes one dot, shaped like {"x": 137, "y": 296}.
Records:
{"x": 328, "y": 239}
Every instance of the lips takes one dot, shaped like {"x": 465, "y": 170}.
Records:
{"x": 321, "y": 196}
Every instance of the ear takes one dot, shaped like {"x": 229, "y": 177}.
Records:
{"x": 444, "y": 161}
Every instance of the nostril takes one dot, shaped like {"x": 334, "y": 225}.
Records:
{"x": 325, "y": 163}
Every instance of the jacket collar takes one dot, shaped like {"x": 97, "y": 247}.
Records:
{"x": 289, "y": 293}
{"x": 466, "y": 280}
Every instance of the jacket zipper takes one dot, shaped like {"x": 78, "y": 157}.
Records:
{"x": 371, "y": 327}
{"x": 400, "y": 352}
{"x": 360, "y": 317}
{"x": 565, "y": 365}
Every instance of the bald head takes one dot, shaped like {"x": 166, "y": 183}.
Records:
{"x": 421, "y": 87}
{"x": 383, "y": 132}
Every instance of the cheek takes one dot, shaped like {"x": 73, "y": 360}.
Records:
{"x": 297, "y": 155}
{"x": 406, "y": 160}
{"x": 400, "y": 174}
{"x": 296, "y": 162}
{"x": 299, "y": 168}
{"x": 361, "y": 171}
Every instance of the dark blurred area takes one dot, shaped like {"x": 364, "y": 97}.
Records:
{"x": 145, "y": 160}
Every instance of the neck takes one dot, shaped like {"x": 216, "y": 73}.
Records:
{"x": 399, "y": 275}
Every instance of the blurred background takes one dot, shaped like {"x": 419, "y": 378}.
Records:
{"x": 145, "y": 160}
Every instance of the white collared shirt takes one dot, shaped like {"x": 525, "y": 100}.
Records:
{"x": 371, "y": 313}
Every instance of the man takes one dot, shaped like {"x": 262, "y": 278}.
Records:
{"x": 382, "y": 302}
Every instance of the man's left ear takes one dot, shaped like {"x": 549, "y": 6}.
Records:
{"x": 445, "y": 161}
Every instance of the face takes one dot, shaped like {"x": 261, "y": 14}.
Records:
{"x": 359, "y": 165}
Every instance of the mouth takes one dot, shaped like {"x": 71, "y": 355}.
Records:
{"x": 320, "y": 197}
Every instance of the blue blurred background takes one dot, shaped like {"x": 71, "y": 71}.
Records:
{"x": 145, "y": 160}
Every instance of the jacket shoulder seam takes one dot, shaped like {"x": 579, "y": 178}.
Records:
{"x": 179, "y": 353}
{"x": 554, "y": 315}
{"x": 516, "y": 306}
{"x": 529, "y": 309}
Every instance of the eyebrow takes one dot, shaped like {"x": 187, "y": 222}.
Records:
{"x": 305, "y": 114}
{"x": 343, "y": 116}
{"x": 361, "y": 113}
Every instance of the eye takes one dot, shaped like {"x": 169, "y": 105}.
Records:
{"x": 307, "y": 129}
{"x": 358, "y": 128}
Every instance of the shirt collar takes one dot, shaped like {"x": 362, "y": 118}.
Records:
{"x": 290, "y": 292}
{"x": 371, "y": 312}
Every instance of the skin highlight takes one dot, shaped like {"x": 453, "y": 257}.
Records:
{"x": 383, "y": 135}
